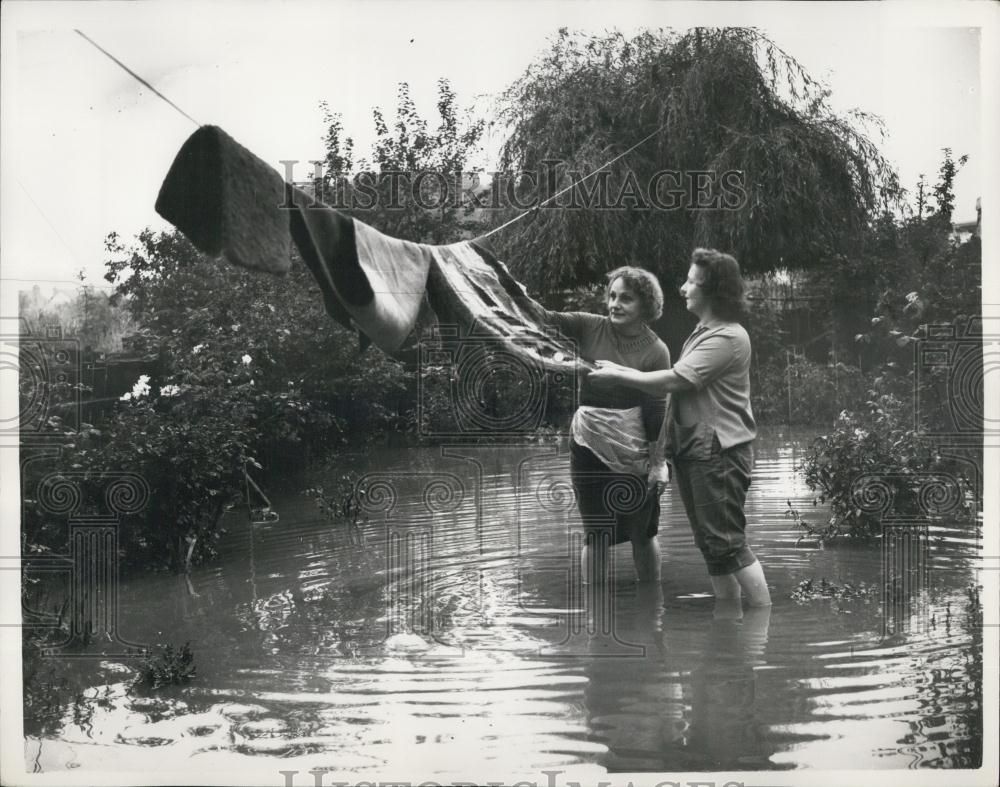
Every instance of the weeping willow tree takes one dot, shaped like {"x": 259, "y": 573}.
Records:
{"x": 744, "y": 154}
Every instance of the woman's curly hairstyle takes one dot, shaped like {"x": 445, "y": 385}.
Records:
{"x": 644, "y": 285}
{"x": 723, "y": 284}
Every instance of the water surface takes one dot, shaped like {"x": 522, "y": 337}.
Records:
{"x": 450, "y": 637}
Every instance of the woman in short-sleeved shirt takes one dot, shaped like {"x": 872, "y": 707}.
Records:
{"x": 616, "y": 461}
{"x": 711, "y": 426}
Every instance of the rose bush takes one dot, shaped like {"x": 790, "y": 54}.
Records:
{"x": 246, "y": 373}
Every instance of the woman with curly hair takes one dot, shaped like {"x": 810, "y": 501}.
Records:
{"x": 616, "y": 461}
{"x": 710, "y": 428}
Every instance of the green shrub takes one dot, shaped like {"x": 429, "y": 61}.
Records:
{"x": 878, "y": 443}
{"x": 343, "y": 505}
{"x": 810, "y": 590}
{"x": 249, "y": 371}
{"x": 927, "y": 289}
{"x": 169, "y": 667}
{"x": 190, "y": 441}
{"x": 45, "y": 689}
{"x": 800, "y": 391}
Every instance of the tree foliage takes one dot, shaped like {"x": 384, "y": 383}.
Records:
{"x": 413, "y": 173}
{"x": 89, "y": 316}
{"x": 251, "y": 374}
{"x": 918, "y": 288}
{"x": 713, "y": 101}
{"x": 908, "y": 272}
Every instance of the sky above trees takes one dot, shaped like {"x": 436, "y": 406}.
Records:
{"x": 85, "y": 146}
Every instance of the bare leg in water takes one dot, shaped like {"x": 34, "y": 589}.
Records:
{"x": 595, "y": 559}
{"x": 645, "y": 552}
{"x": 749, "y": 580}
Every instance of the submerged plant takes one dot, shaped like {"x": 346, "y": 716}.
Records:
{"x": 821, "y": 533}
{"x": 810, "y": 590}
{"x": 343, "y": 505}
{"x": 169, "y": 668}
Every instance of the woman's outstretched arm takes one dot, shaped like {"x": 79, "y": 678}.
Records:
{"x": 658, "y": 383}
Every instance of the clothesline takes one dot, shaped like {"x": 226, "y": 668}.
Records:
{"x": 517, "y": 218}
{"x": 576, "y": 183}
{"x": 132, "y": 74}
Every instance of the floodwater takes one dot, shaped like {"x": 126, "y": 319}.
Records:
{"x": 449, "y": 638}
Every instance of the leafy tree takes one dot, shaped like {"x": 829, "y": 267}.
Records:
{"x": 944, "y": 191}
{"x": 907, "y": 274}
{"x": 90, "y": 317}
{"x": 251, "y": 376}
{"x": 925, "y": 287}
{"x": 411, "y": 184}
{"x": 250, "y": 369}
{"x": 184, "y": 301}
{"x": 712, "y": 101}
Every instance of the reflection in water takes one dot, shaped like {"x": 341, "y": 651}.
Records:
{"x": 687, "y": 703}
{"x": 905, "y": 571}
{"x": 458, "y": 640}
{"x": 725, "y": 730}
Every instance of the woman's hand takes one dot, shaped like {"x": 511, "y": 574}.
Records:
{"x": 608, "y": 373}
{"x": 658, "y": 478}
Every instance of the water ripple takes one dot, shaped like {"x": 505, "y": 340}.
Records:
{"x": 460, "y": 637}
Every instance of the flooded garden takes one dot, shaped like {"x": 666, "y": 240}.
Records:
{"x": 447, "y": 634}
{"x": 319, "y": 525}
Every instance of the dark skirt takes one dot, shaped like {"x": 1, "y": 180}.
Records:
{"x": 611, "y": 501}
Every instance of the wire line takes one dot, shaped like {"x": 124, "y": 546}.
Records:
{"x": 134, "y": 75}
{"x": 577, "y": 183}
